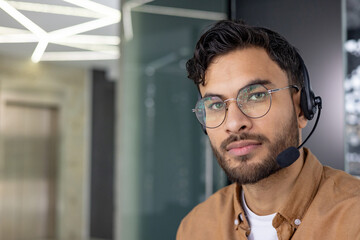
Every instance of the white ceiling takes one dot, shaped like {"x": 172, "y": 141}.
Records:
{"x": 51, "y": 22}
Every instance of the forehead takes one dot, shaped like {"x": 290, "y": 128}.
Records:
{"x": 230, "y": 72}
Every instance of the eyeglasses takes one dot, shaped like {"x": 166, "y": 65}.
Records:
{"x": 254, "y": 101}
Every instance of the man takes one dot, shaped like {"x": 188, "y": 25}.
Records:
{"x": 250, "y": 80}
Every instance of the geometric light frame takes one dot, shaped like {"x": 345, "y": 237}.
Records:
{"x": 91, "y": 47}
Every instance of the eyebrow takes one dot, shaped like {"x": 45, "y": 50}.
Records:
{"x": 252, "y": 82}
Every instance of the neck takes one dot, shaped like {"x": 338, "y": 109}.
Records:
{"x": 268, "y": 195}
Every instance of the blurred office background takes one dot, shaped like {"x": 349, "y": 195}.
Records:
{"x": 97, "y": 137}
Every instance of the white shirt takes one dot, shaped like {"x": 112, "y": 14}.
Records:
{"x": 261, "y": 226}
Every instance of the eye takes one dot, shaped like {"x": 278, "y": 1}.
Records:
{"x": 216, "y": 106}
{"x": 213, "y": 104}
{"x": 258, "y": 96}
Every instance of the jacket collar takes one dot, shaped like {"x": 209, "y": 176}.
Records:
{"x": 298, "y": 201}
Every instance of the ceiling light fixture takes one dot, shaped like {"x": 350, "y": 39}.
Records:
{"x": 19, "y": 17}
{"x": 54, "y": 9}
{"x": 92, "y": 47}
{"x": 181, "y": 12}
{"x": 13, "y": 35}
{"x": 127, "y": 8}
{"x": 80, "y": 28}
{"x": 77, "y": 56}
{"x": 104, "y": 16}
{"x": 39, "y": 50}
{"x": 96, "y": 7}
{"x": 90, "y": 39}
{"x": 18, "y": 38}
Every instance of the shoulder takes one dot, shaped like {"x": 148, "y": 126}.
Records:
{"x": 341, "y": 182}
{"x": 340, "y": 192}
{"x": 336, "y": 204}
{"x": 209, "y": 213}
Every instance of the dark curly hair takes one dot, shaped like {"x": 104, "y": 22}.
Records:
{"x": 226, "y": 36}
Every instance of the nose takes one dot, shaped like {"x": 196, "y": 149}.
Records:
{"x": 236, "y": 121}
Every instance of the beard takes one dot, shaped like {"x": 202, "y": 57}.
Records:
{"x": 250, "y": 173}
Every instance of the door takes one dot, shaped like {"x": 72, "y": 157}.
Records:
{"x": 28, "y": 171}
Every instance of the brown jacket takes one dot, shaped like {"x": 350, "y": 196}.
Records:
{"x": 324, "y": 204}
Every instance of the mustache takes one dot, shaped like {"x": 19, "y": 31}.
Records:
{"x": 243, "y": 136}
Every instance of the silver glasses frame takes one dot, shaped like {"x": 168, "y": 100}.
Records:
{"x": 226, "y": 101}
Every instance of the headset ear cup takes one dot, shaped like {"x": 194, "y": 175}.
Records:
{"x": 303, "y": 103}
{"x": 307, "y": 103}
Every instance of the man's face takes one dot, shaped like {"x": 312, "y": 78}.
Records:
{"x": 246, "y": 148}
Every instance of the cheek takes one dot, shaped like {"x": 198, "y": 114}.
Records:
{"x": 266, "y": 126}
{"x": 274, "y": 122}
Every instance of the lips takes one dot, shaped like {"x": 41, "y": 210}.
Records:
{"x": 242, "y": 148}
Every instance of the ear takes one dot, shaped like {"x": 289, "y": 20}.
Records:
{"x": 301, "y": 119}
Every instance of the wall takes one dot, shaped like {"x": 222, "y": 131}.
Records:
{"x": 315, "y": 28}
{"x": 161, "y": 166}
{"x": 67, "y": 89}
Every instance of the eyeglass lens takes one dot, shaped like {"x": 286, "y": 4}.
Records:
{"x": 254, "y": 101}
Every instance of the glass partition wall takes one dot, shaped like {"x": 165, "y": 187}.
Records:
{"x": 352, "y": 88}
{"x": 162, "y": 168}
